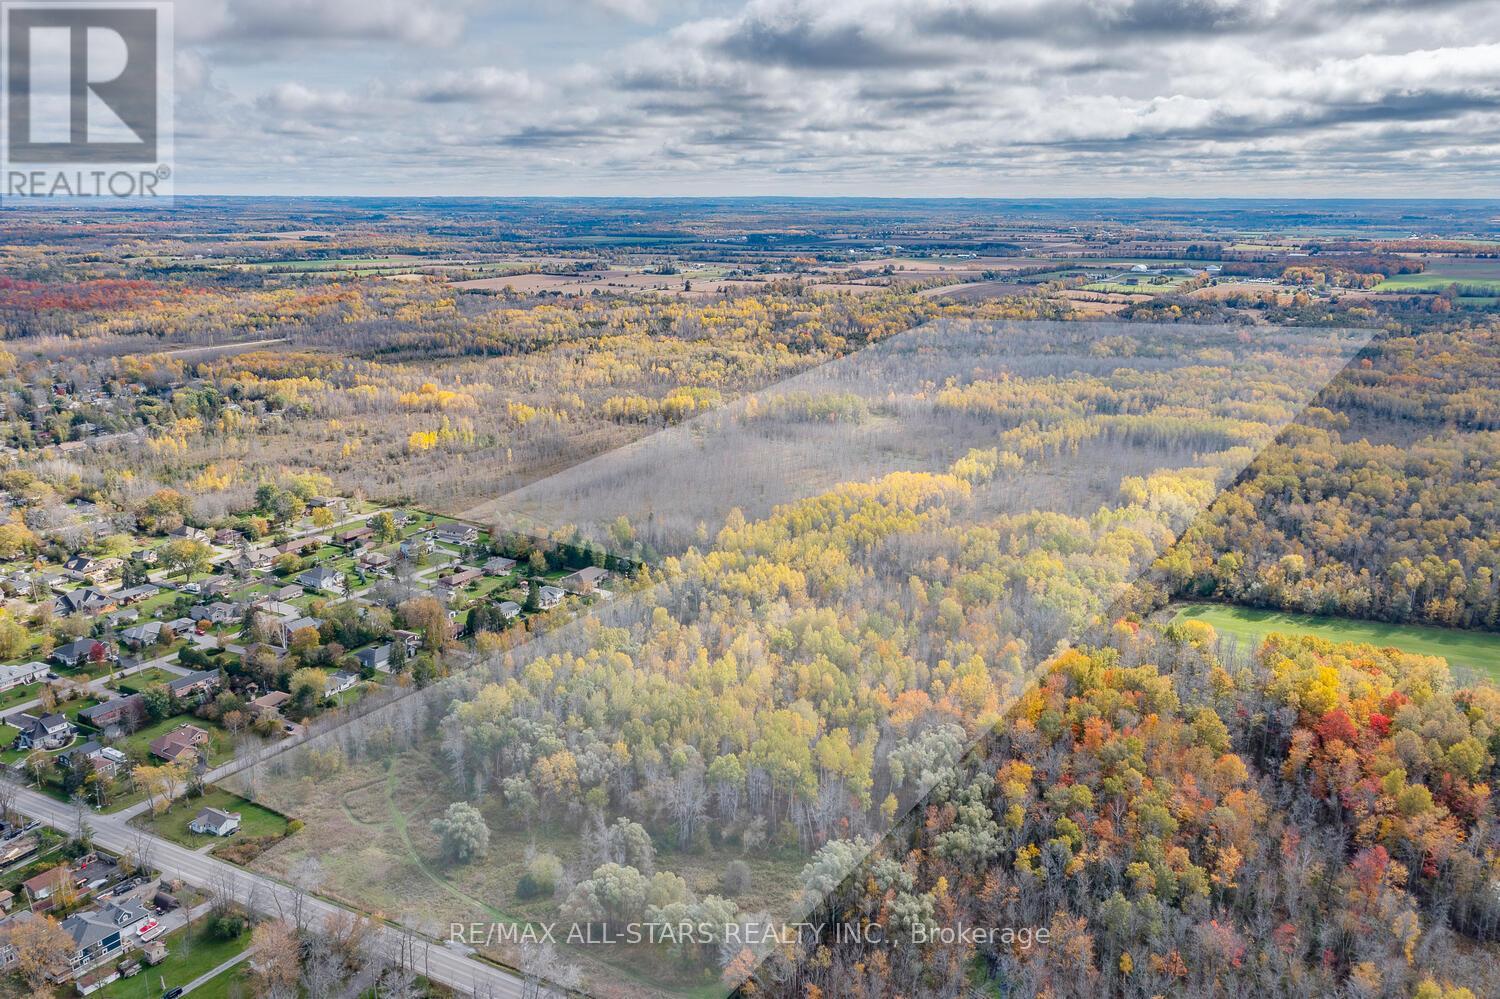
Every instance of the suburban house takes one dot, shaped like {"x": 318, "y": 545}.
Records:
{"x": 410, "y": 639}
{"x": 99, "y": 933}
{"x": 376, "y": 657}
{"x": 42, "y": 732}
{"x": 457, "y": 534}
{"x": 334, "y": 503}
{"x": 186, "y": 533}
{"x": 136, "y": 593}
{"x": 121, "y": 618}
{"x": 584, "y": 580}
{"x": 322, "y": 578}
{"x": 510, "y": 609}
{"x": 84, "y": 649}
{"x": 355, "y": 536}
{"x": 219, "y": 612}
{"x": 339, "y": 682}
{"x": 421, "y": 544}
{"x": 105, "y": 759}
{"x": 141, "y": 635}
{"x": 16, "y": 674}
{"x": 459, "y": 578}
{"x": 47, "y": 883}
{"x": 288, "y": 592}
{"x": 85, "y": 601}
{"x": 499, "y": 566}
{"x": 228, "y": 537}
{"x": 269, "y": 705}
{"x": 252, "y": 560}
{"x": 215, "y": 822}
{"x": 372, "y": 561}
{"x": 95, "y": 570}
{"x": 8, "y": 952}
{"x": 297, "y": 546}
{"x": 550, "y": 597}
{"x": 282, "y": 629}
{"x": 181, "y": 745}
{"x": 120, "y": 712}
{"x": 197, "y": 684}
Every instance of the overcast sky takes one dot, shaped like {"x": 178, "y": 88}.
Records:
{"x": 998, "y": 98}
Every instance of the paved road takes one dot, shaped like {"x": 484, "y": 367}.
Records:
{"x": 266, "y": 896}
{"x": 97, "y": 685}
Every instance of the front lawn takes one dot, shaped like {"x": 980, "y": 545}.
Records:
{"x": 255, "y": 820}
{"x": 182, "y": 965}
{"x": 20, "y": 695}
{"x": 232, "y": 982}
{"x": 71, "y": 709}
{"x": 145, "y": 678}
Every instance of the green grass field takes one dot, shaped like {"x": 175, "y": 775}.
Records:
{"x": 183, "y": 964}
{"x": 20, "y": 695}
{"x": 254, "y": 819}
{"x": 145, "y": 678}
{"x": 234, "y": 982}
{"x": 1474, "y": 650}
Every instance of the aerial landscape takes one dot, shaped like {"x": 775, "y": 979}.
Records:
{"x": 767, "y": 499}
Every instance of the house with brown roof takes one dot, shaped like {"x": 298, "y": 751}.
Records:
{"x": 46, "y": 884}
{"x": 269, "y": 705}
{"x": 355, "y": 536}
{"x": 183, "y": 744}
{"x": 584, "y": 580}
{"x": 459, "y": 578}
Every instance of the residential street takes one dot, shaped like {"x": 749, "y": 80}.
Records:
{"x": 266, "y": 896}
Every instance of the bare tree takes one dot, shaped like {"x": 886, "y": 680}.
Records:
{"x": 306, "y": 877}
{"x": 142, "y": 850}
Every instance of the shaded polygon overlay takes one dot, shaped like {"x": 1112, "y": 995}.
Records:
{"x": 852, "y": 575}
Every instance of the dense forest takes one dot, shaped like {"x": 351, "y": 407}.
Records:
{"x": 1384, "y": 502}
{"x": 1314, "y": 821}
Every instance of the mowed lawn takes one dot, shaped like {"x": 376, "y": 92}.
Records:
{"x": 227, "y": 984}
{"x": 183, "y": 964}
{"x": 255, "y": 820}
{"x": 1474, "y": 650}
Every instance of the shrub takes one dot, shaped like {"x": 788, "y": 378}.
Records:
{"x": 226, "y": 927}
{"x": 543, "y": 873}
{"x": 736, "y": 878}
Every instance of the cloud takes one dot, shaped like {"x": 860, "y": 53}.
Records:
{"x": 642, "y": 11}
{"x": 884, "y": 96}
{"x": 472, "y": 86}
{"x": 417, "y": 22}
{"x": 298, "y": 100}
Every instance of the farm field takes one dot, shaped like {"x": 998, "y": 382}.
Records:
{"x": 1476, "y": 276}
{"x": 1472, "y": 650}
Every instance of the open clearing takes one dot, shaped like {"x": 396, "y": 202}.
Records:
{"x": 1473, "y": 650}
